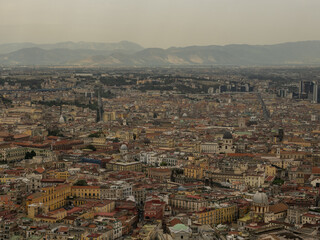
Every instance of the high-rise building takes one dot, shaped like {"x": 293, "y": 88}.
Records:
{"x": 301, "y": 89}
{"x": 282, "y": 93}
{"x": 315, "y": 96}
{"x": 306, "y": 89}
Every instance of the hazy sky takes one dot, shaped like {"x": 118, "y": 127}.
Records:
{"x": 160, "y": 23}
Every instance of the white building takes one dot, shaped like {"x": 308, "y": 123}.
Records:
{"x": 118, "y": 190}
{"x": 220, "y": 146}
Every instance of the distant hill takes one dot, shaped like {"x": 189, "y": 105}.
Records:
{"x": 131, "y": 54}
{"x": 106, "y": 47}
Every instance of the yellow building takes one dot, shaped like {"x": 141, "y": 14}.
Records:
{"x": 47, "y": 219}
{"x": 270, "y": 171}
{"x": 62, "y": 175}
{"x": 164, "y": 142}
{"x": 86, "y": 191}
{"x": 188, "y": 202}
{"x": 5, "y": 178}
{"x": 124, "y": 135}
{"x": 292, "y": 155}
{"x": 98, "y": 140}
{"x": 105, "y": 206}
{"x": 213, "y": 216}
{"x": 195, "y": 172}
{"x": 58, "y": 214}
{"x": 109, "y": 116}
{"x": 300, "y": 142}
{"x": 49, "y": 199}
{"x": 120, "y": 116}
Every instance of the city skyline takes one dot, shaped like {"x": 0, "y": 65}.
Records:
{"x": 149, "y": 120}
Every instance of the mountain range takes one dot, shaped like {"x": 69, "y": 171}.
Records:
{"x": 126, "y": 53}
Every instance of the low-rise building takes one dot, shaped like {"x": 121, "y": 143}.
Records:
{"x": 223, "y": 213}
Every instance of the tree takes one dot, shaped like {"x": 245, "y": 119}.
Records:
{"x": 163, "y": 164}
{"x": 93, "y": 148}
{"x": 116, "y": 140}
{"x": 27, "y": 156}
{"x": 30, "y": 155}
{"x": 81, "y": 182}
{"x": 95, "y": 135}
{"x": 55, "y": 132}
{"x": 108, "y": 94}
{"x": 278, "y": 181}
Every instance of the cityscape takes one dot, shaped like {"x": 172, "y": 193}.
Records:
{"x": 159, "y": 120}
{"x": 160, "y": 153}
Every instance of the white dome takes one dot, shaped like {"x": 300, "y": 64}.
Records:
{"x": 123, "y": 147}
{"x": 260, "y": 198}
{"x": 61, "y": 119}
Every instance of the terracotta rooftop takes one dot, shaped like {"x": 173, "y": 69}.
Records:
{"x": 279, "y": 207}
{"x": 86, "y": 187}
{"x": 39, "y": 170}
{"x": 174, "y": 221}
{"x": 316, "y": 170}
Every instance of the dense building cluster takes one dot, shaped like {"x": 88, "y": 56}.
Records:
{"x": 210, "y": 153}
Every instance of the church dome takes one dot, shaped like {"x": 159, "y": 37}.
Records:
{"x": 124, "y": 147}
{"x": 61, "y": 119}
{"x": 260, "y": 198}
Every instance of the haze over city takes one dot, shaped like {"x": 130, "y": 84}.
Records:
{"x": 162, "y": 23}
{"x": 159, "y": 120}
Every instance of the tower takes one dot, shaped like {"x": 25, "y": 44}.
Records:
{"x": 306, "y": 89}
{"x": 242, "y": 123}
{"x": 301, "y": 88}
{"x": 278, "y": 152}
{"x": 61, "y": 119}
